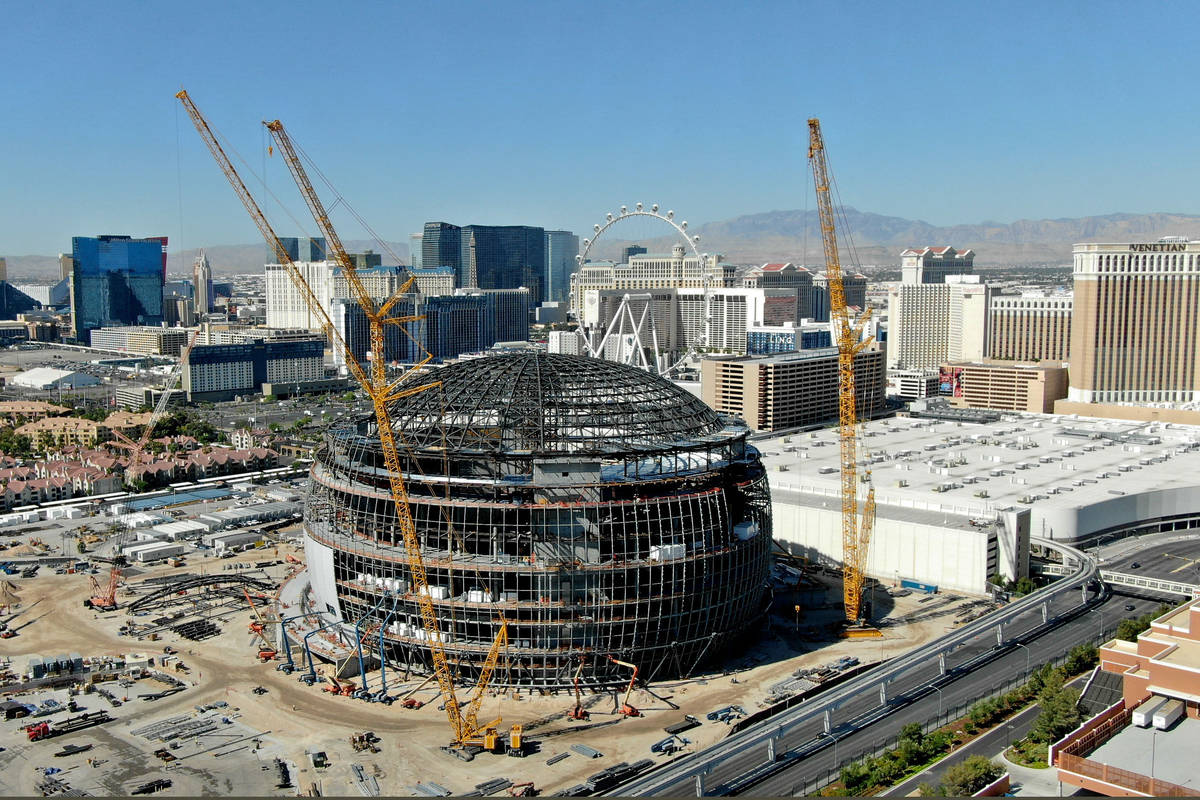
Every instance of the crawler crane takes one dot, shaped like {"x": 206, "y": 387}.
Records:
{"x": 856, "y": 534}
{"x": 465, "y": 727}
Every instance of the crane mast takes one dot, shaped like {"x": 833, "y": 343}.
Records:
{"x": 382, "y": 394}
{"x": 856, "y": 533}
{"x": 376, "y": 315}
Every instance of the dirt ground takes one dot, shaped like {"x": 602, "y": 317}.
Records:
{"x": 301, "y": 718}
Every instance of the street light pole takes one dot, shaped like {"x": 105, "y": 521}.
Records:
{"x": 1026, "y": 649}
{"x": 939, "y": 691}
{"x": 1101, "y": 616}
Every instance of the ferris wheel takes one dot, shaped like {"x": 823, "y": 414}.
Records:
{"x": 633, "y": 322}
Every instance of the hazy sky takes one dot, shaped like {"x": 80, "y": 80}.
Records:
{"x": 552, "y": 113}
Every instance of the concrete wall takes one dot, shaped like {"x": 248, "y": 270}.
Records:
{"x": 952, "y": 559}
{"x": 1071, "y": 524}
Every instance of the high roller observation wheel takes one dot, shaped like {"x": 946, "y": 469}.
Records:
{"x": 692, "y": 240}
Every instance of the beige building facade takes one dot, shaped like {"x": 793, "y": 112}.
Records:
{"x": 930, "y": 323}
{"x": 650, "y": 271}
{"x": 1005, "y": 387}
{"x": 933, "y": 264}
{"x": 1136, "y": 312}
{"x": 790, "y": 390}
{"x": 1030, "y": 328}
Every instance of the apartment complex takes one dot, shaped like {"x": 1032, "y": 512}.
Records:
{"x": 1030, "y": 327}
{"x": 787, "y": 391}
{"x": 28, "y": 410}
{"x": 55, "y": 433}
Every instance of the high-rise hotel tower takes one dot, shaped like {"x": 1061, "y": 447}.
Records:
{"x": 1134, "y": 325}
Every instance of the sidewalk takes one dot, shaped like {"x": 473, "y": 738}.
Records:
{"x": 1029, "y": 782}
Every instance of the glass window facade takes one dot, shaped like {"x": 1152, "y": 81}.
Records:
{"x": 116, "y": 280}
{"x": 504, "y": 257}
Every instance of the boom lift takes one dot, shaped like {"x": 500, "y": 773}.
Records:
{"x": 856, "y": 536}
{"x": 578, "y": 712}
{"x": 260, "y": 627}
{"x": 464, "y": 727}
{"x": 160, "y": 407}
{"x": 627, "y": 710}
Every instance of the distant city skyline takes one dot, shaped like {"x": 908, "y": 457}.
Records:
{"x": 944, "y": 112}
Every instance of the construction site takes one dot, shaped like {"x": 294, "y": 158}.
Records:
{"x": 511, "y": 556}
{"x": 595, "y": 512}
{"x": 168, "y": 669}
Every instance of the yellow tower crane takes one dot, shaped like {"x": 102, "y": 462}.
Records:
{"x": 856, "y": 533}
{"x": 383, "y": 393}
{"x": 376, "y": 314}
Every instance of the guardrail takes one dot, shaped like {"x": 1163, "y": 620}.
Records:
{"x": 701, "y": 763}
{"x": 1155, "y": 584}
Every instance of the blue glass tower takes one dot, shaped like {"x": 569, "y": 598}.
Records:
{"x": 115, "y": 280}
{"x": 504, "y": 257}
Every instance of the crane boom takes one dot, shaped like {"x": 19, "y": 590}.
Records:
{"x": 856, "y": 534}
{"x": 465, "y": 724}
{"x": 373, "y": 312}
{"x": 382, "y": 394}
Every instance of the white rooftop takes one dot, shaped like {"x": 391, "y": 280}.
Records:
{"x": 1061, "y": 467}
{"x": 47, "y": 376}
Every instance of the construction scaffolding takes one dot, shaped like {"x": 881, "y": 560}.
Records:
{"x": 593, "y": 508}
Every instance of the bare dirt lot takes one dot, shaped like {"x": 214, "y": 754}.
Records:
{"x": 294, "y": 719}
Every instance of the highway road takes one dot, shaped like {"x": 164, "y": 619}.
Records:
{"x": 958, "y": 693}
{"x": 863, "y": 721}
{"x": 1160, "y": 556}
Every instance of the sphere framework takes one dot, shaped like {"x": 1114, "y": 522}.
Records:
{"x": 596, "y": 510}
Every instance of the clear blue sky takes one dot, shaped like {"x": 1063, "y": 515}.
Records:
{"x": 552, "y": 113}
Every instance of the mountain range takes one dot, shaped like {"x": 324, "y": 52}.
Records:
{"x": 878, "y": 239}
{"x": 791, "y": 236}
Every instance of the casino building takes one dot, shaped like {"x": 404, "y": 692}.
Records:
{"x": 1133, "y": 332}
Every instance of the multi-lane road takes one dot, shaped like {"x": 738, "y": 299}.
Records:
{"x": 809, "y": 746}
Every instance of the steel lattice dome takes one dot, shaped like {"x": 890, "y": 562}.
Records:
{"x": 545, "y": 403}
{"x": 596, "y": 510}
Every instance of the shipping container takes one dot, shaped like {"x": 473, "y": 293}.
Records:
{"x": 1143, "y": 714}
{"x": 1168, "y": 714}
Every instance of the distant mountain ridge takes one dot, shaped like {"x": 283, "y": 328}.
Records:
{"x": 789, "y": 236}
{"x": 879, "y": 239}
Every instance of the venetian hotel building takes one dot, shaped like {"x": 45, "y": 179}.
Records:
{"x": 1135, "y": 316}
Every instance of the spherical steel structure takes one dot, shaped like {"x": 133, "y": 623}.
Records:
{"x": 599, "y": 511}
